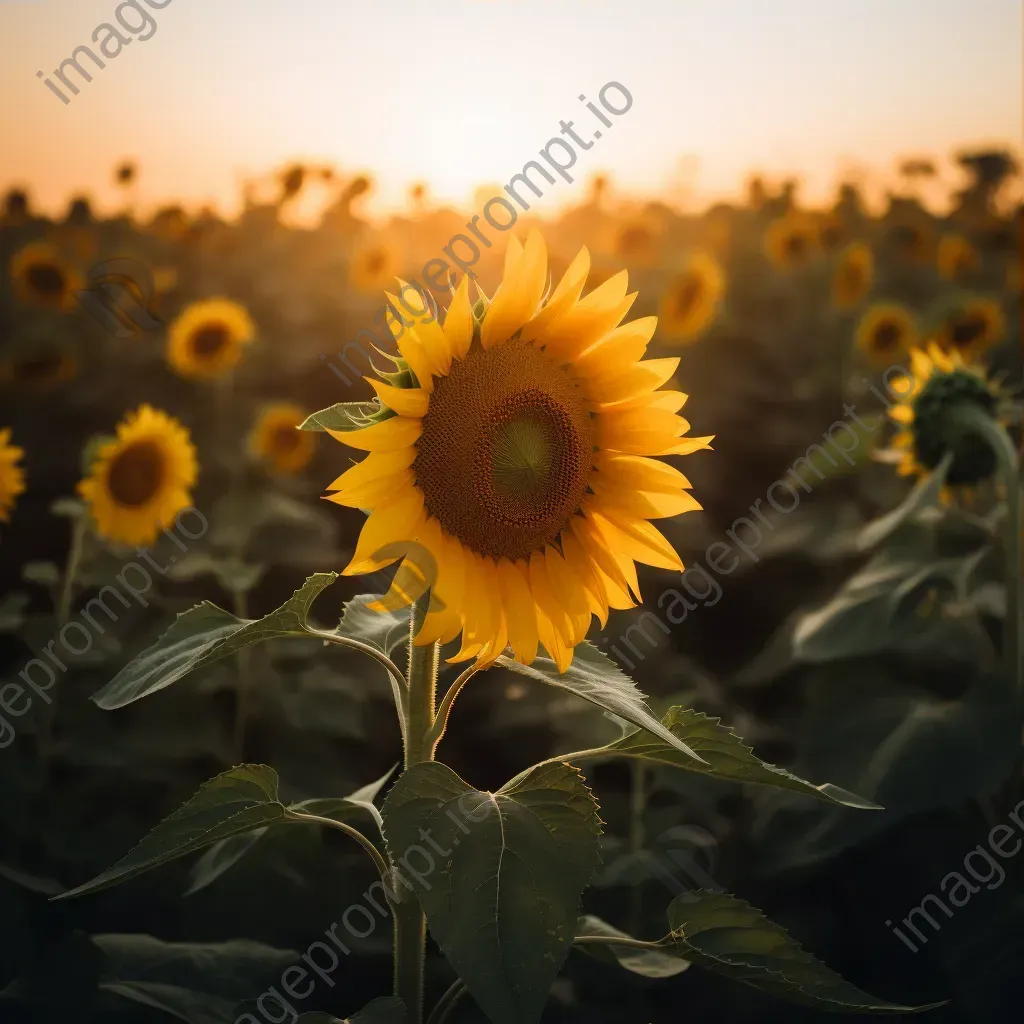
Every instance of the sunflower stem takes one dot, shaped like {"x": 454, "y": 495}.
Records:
{"x": 410, "y": 922}
{"x": 973, "y": 418}
{"x": 78, "y": 535}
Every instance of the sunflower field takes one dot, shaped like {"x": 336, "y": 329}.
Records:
{"x": 626, "y": 630}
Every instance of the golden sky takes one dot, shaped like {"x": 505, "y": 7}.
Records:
{"x": 464, "y": 92}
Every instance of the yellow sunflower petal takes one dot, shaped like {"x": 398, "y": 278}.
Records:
{"x": 519, "y": 293}
{"x": 412, "y": 402}
{"x": 388, "y": 525}
{"x": 458, "y": 323}
{"x": 394, "y": 432}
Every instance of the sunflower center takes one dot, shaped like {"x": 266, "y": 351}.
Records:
{"x": 795, "y": 246}
{"x": 136, "y": 474}
{"x": 967, "y": 328}
{"x": 285, "y": 440}
{"x": 887, "y": 336}
{"x": 935, "y": 432}
{"x": 506, "y": 450}
{"x": 687, "y": 295}
{"x": 45, "y": 279}
{"x": 209, "y": 340}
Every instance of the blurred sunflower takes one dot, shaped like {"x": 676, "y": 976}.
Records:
{"x": 514, "y": 446}
{"x": 885, "y": 332}
{"x": 140, "y": 480}
{"x": 12, "y": 476}
{"x": 832, "y": 232}
{"x": 971, "y": 327}
{"x": 39, "y": 368}
{"x": 691, "y": 299}
{"x": 276, "y": 439}
{"x": 853, "y": 276}
{"x": 939, "y": 383}
{"x": 956, "y": 257}
{"x": 913, "y": 239}
{"x": 373, "y": 266}
{"x": 43, "y": 278}
{"x": 635, "y": 243}
{"x": 206, "y": 339}
{"x": 789, "y": 241}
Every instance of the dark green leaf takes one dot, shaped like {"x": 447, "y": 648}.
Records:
{"x": 726, "y": 757}
{"x": 732, "y": 938}
{"x": 203, "y": 635}
{"x": 237, "y": 801}
{"x": 651, "y": 963}
{"x": 46, "y": 574}
{"x": 595, "y": 677}
{"x": 502, "y": 885}
{"x": 924, "y": 494}
{"x": 387, "y": 1010}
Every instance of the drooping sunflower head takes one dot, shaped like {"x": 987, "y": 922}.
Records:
{"x": 971, "y": 326}
{"x": 42, "y": 278}
{"x": 955, "y": 257}
{"x": 512, "y": 462}
{"x": 276, "y": 439}
{"x": 374, "y": 265}
{"x": 141, "y": 479}
{"x": 207, "y": 338}
{"x": 692, "y": 298}
{"x": 853, "y": 276}
{"x": 940, "y": 382}
{"x": 886, "y": 332}
{"x": 12, "y": 476}
{"x": 790, "y": 241}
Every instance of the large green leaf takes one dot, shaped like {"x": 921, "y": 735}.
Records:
{"x": 345, "y": 416}
{"x": 226, "y": 853}
{"x": 596, "y": 678}
{"x": 501, "y": 887}
{"x": 895, "y": 602}
{"x": 238, "y": 800}
{"x": 205, "y": 634}
{"x": 651, "y": 962}
{"x": 730, "y": 937}
{"x": 199, "y": 983}
{"x": 725, "y": 757}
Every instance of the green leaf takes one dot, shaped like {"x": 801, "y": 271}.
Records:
{"x": 895, "y": 602}
{"x": 502, "y": 895}
{"x": 385, "y": 630}
{"x": 226, "y": 853}
{"x": 926, "y": 493}
{"x": 387, "y": 1010}
{"x": 726, "y": 757}
{"x": 238, "y": 800}
{"x": 732, "y": 938}
{"x": 651, "y": 963}
{"x": 199, "y": 983}
{"x": 68, "y": 508}
{"x": 346, "y": 416}
{"x": 596, "y": 678}
{"x": 205, "y": 634}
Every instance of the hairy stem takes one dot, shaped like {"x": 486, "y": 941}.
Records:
{"x": 375, "y": 855}
{"x": 410, "y": 922}
{"x": 448, "y": 1003}
{"x": 444, "y": 708}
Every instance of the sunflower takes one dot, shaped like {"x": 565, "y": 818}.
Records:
{"x": 277, "y": 440}
{"x": 886, "y": 332}
{"x": 913, "y": 239}
{"x": 832, "y": 232}
{"x": 790, "y": 241}
{"x": 39, "y": 368}
{"x": 955, "y": 257}
{"x": 853, "y": 276}
{"x": 972, "y": 327}
{"x": 12, "y": 476}
{"x": 141, "y": 479}
{"x": 373, "y": 266}
{"x": 692, "y": 298}
{"x": 206, "y": 339}
{"x": 514, "y": 447}
{"x": 635, "y": 242}
{"x": 940, "y": 381}
{"x": 43, "y": 278}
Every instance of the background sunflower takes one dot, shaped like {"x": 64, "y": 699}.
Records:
{"x": 207, "y": 338}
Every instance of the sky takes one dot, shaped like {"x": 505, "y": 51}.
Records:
{"x": 462, "y": 93}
